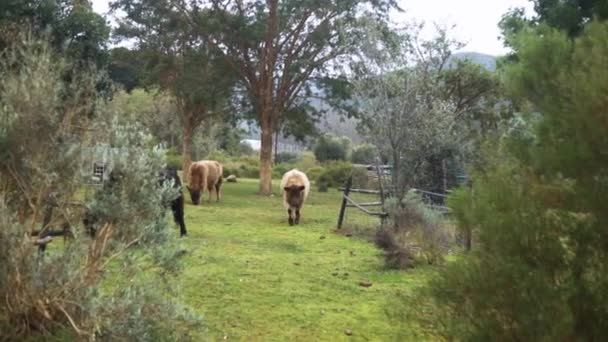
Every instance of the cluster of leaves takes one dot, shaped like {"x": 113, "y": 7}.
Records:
{"x": 335, "y": 174}
{"x": 42, "y": 136}
{"x": 537, "y": 213}
{"x": 414, "y": 105}
{"x": 415, "y": 234}
{"x": 364, "y": 154}
{"x": 331, "y": 148}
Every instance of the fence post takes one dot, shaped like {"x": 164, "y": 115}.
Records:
{"x": 380, "y": 174}
{"x": 349, "y": 183}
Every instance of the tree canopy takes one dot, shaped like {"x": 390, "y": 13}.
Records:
{"x": 537, "y": 211}
{"x": 282, "y": 51}
{"x": 72, "y": 27}
{"x": 176, "y": 59}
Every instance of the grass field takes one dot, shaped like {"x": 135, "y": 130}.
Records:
{"x": 253, "y": 277}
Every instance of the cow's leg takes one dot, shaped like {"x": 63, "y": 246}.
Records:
{"x": 204, "y": 185}
{"x": 290, "y": 217}
{"x": 297, "y": 215}
{"x": 218, "y": 187}
{"x": 177, "y": 207}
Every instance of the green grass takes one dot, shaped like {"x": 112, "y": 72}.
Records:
{"x": 253, "y": 277}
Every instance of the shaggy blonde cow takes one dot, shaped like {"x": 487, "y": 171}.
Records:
{"x": 295, "y": 187}
{"x": 204, "y": 174}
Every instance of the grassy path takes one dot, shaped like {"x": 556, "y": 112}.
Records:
{"x": 255, "y": 278}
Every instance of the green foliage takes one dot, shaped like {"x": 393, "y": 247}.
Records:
{"x": 174, "y": 159}
{"x": 567, "y": 16}
{"x": 58, "y": 21}
{"x": 61, "y": 292}
{"x": 279, "y": 169}
{"x": 315, "y": 172}
{"x": 218, "y": 155}
{"x": 364, "y": 154}
{"x": 306, "y": 161}
{"x": 153, "y": 109}
{"x": 418, "y": 115}
{"x": 537, "y": 269}
{"x": 244, "y": 167}
{"x": 302, "y": 39}
{"x": 238, "y": 256}
{"x": 229, "y": 139}
{"x": 246, "y": 150}
{"x": 175, "y": 60}
{"x": 125, "y": 68}
{"x": 286, "y": 157}
{"x": 414, "y": 235}
{"x": 335, "y": 175}
{"x": 329, "y": 148}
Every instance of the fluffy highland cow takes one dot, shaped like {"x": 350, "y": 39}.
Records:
{"x": 204, "y": 174}
{"x": 295, "y": 187}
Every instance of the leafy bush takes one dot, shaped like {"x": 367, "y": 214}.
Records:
{"x": 306, "y": 161}
{"x": 286, "y": 157}
{"x": 245, "y": 149}
{"x": 364, "y": 154}
{"x": 415, "y": 234}
{"x": 335, "y": 174}
{"x": 174, "y": 159}
{"x": 218, "y": 155}
{"x": 330, "y": 148}
{"x": 314, "y": 173}
{"x": 244, "y": 167}
{"x": 59, "y": 291}
{"x": 537, "y": 269}
{"x": 231, "y": 168}
{"x": 278, "y": 170}
{"x": 248, "y": 171}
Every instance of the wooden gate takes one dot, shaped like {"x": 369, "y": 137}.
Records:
{"x": 349, "y": 202}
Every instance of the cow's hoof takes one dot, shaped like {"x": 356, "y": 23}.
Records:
{"x": 291, "y": 222}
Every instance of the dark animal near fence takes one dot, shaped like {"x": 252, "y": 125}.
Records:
{"x": 177, "y": 204}
{"x": 92, "y": 221}
{"x": 204, "y": 175}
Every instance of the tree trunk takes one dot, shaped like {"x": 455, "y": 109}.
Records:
{"x": 444, "y": 171}
{"x": 187, "y": 150}
{"x": 266, "y": 159}
{"x": 276, "y": 145}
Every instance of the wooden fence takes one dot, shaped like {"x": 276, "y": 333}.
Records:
{"x": 433, "y": 199}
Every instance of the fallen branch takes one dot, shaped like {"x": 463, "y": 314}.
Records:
{"x": 46, "y": 233}
{"x": 44, "y": 241}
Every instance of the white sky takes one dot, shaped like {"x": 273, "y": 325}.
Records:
{"x": 476, "y": 20}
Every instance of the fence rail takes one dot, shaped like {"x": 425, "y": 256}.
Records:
{"x": 433, "y": 199}
{"x": 348, "y": 202}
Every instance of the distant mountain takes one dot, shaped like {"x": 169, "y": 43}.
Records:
{"x": 342, "y": 126}
{"x": 487, "y": 61}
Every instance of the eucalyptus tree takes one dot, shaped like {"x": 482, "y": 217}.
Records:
{"x": 415, "y": 102}
{"x": 283, "y": 52}
{"x": 178, "y": 60}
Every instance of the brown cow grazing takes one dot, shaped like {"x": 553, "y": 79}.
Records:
{"x": 204, "y": 174}
{"x": 295, "y": 187}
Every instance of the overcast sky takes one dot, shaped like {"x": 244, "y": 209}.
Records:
{"x": 476, "y": 20}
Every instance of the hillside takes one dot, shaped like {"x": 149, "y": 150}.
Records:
{"x": 343, "y": 126}
{"x": 487, "y": 61}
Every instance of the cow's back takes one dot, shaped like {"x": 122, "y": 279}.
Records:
{"x": 214, "y": 171}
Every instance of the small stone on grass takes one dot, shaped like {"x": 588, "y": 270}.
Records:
{"x": 365, "y": 283}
